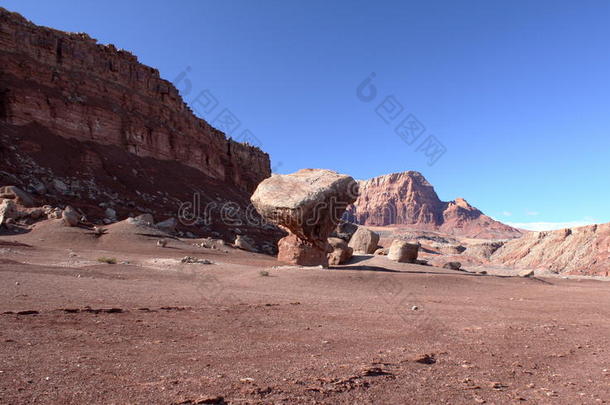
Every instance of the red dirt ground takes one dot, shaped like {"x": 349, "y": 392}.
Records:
{"x": 151, "y": 330}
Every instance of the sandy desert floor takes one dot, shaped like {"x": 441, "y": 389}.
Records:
{"x": 153, "y": 330}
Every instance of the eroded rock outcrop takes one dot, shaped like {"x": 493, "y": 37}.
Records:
{"x": 582, "y": 251}
{"x": 407, "y": 198}
{"x": 308, "y": 204}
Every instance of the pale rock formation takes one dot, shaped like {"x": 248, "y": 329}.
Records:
{"x": 308, "y": 204}
{"x": 364, "y": 241}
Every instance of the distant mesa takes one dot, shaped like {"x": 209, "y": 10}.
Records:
{"x": 408, "y": 199}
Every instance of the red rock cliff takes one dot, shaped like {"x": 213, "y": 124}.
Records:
{"x": 407, "y": 198}
{"x": 77, "y": 88}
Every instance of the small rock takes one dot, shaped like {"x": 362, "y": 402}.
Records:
{"x": 414, "y": 308}
{"x": 169, "y": 225}
{"x": 18, "y": 195}
{"x": 194, "y": 260}
{"x": 110, "y": 214}
{"x": 341, "y": 252}
{"x": 526, "y": 273}
{"x": 452, "y": 265}
{"x": 70, "y": 216}
{"x": 426, "y": 359}
{"x": 244, "y": 243}
{"x": 381, "y": 252}
{"x": 60, "y": 186}
{"x": 162, "y": 242}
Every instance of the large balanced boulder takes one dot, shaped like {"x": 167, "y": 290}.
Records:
{"x": 403, "y": 251}
{"x": 307, "y": 204}
{"x": 341, "y": 251}
{"x": 364, "y": 241}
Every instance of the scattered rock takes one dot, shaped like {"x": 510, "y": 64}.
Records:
{"x": 526, "y": 273}
{"x": 144, "y": 219}
{"x": 341, "y": 253}
{"x": 309, "y": 205}
{"x": 110, "y": 214}
{"x": 403, "y": 251}
{"x": 374, "y": 372}
{"x": 426, "y": 359}
{"x": 60, "y": 186}
{"x": 452, "y": 265}
{"x": 244, "y": 243}
{"x": 344, "y": 230}
{"x": 194, "y": 260}
{"x": 38, "y": 187}
{"x": 8, "y": 210}
{"x": 70, "y": 216}
{"x": 169, "y": 225}
{"x": 364, "y": 241}
{"x": 381, "y": 252}
{"x": 17, "y": 194}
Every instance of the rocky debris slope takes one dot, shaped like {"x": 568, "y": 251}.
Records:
{"x": 579, "y": 251}
{"x": 407, "y": 198}
{"x": 308, "y": 204}
{"x": 80, "y": 89}
{"x": 93, "y": 178}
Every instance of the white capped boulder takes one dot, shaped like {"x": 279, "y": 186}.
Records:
{"x": 307, "y": 204}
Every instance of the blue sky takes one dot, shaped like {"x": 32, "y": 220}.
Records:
{"x": 517, "y": 93}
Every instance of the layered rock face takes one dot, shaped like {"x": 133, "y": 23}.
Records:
{"x": 407, "y": 198}
{"x": 308, "y": 204}
{"x": 77, "y": 88}
{"x": 582, "y": 251}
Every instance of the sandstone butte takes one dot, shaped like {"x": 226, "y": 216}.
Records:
{"x": 408, "y": 199}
